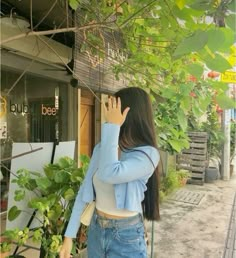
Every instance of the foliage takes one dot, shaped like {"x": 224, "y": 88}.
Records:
{"x": 53, "y": 199}
{"x": 212, "y": 127}
{"x": 170, "y": 47}
{"x": 182, "y": 174}
{"x": 169, "y": 183}
{"x": 172, "y": 181}
{"x": 5, "y": 246}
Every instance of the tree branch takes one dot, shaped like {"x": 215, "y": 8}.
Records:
{"x": 22, "y": 154}
{"x": 55, "y": 31}
{"x": 134, "y": 14}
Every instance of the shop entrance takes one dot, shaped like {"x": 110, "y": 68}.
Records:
{"x": 87, "y": 127}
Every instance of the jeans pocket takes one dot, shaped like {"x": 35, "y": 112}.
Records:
{"x": 130, "y": 235}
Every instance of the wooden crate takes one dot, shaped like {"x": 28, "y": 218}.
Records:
{"x": 194, "y": 159}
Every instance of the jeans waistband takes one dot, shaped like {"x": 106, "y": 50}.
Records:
{"x": 117, "y": 223}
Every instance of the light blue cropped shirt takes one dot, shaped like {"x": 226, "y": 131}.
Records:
{"x": 129, "y": 175}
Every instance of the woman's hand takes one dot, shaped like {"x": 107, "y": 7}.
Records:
{"x": 113, "y": 112}
{"x": 66, "y": 248}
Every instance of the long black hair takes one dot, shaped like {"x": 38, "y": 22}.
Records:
{"x": 138, "y": 130}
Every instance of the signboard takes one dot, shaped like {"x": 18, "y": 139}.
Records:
{"x": 228, "y": 76}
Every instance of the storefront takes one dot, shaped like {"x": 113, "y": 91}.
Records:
{"x": 38, "y": 103}
{"x": 36, "y": 109}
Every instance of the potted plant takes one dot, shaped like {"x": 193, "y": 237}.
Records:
{"x": 55, "y": 192}
{"x": 169, "y": 183}
{"x": 183, "y": 176}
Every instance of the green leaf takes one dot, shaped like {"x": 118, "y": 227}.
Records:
{"x": 180, "y": 3}
{"x": 218, "y": 63}
{"x": 49, "y": 170}
{"x": 231, "y": 21}
{"x": 232, "y": 6}
{"x": 65, "y": 162}
{"x": 176, "y": 145}
{"x": 219, "y": 86}
{"x": 225, "y": 102}
{"x": 37, "y": 235}
{"x": 19, "y": 195}
{"x": 43, "y": 183}
{"x": 84, "y": 158}
{"x": 61, "y": 176}
{"x": 31, "y": 185}
{"x": 69, "y": 194}
{"x": 229, "y": 40}
{"x": 204, "y": 102}
{"x": 13, "y": 213}
{"x": 77, "y": 175}
{"x": 74, "y": 4}
{"x": 196, "y": 109}
{"x": 55, "y": 212}
{"x": 191, "y": 44}
{"x": 201, "y": 5}
{"x": 182, "y": 119}
{"x": 216, "y": 37}
{"x": 195, "y": 70}
{"x": 186, "y": 103}
{"x": 38, "y": 203}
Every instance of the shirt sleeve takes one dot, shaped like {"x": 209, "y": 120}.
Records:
{"x": 136, "y": 165}
{"x": 79, "y": 204}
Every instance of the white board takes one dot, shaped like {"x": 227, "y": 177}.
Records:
{"x": 34, "y": 161}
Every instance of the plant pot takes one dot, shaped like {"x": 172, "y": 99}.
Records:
{"x": 211, "y": 174}
{"x": 4, "y": 255}
{"x": 183, "y": 181}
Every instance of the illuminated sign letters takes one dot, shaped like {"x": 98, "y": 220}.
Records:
{"x": 19, "y": 108}
{"x": 48, "y": 111}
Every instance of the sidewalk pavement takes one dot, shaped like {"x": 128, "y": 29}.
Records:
{"x": 195, "y": 222}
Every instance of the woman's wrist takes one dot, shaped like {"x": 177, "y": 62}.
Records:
{"x": 68, "y": 239}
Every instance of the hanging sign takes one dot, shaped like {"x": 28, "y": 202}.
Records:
{"x": 228, "y": 76}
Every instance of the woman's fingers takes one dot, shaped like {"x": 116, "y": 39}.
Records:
{"x": 112, "y": 111}
{"x": 114, "y": 103}
{"x": 119, "y": 104}
{"x": 125, "y": 113}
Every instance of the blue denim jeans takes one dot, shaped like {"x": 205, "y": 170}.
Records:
{"x": 116, "y": 238}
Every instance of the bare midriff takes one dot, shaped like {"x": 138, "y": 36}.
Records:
{"x": 109, "y": 216}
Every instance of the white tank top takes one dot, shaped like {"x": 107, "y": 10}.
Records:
{"x": 105, "y": 199}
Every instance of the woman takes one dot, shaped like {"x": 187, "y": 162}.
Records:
{"x": 122, "y": 178}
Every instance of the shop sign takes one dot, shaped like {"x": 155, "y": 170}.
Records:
{"x": 48, "y": 111}
{"x": 22, "y": 108}
{"x": 228, "y": 76}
